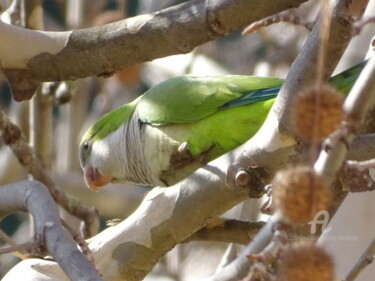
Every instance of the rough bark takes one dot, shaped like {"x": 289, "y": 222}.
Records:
{"x": 30, "y": 57}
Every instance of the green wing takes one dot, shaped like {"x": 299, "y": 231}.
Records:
{"x": 188, "y": 99}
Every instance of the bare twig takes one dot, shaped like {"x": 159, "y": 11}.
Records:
{"x": 359, "y": 25}
{"x": 273, "y": 249}
{"x": 366, "y": 258}
{"x": 268, "y": 256}
{"x": 361, "y": 165}
{"x": 16, "y": 249}
{"x": 280, "y": 17}
{"x": 33, "y": 197}
{"x": 80, "y": 241}
{"x": 7, "y": 239}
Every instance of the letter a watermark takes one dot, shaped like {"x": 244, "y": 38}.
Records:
{"x": 323, "y": 222}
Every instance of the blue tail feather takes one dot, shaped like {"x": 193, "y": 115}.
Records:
{"x": 250, "y": 97}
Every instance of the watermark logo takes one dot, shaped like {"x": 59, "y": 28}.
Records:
{"x": 321, "y": 218}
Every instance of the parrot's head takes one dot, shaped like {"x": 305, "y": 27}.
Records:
{"x": 98, "y": 153}
{"x": 92, "y": 165}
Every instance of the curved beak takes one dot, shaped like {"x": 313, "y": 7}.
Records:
{"x": 93, "y": 179}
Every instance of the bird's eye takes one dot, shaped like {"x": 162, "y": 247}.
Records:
{"x": 86, "y": 145}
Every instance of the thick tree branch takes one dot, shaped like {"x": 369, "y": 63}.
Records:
{"x": 33, "y": 197}
{"x": 30, "y": 57}
{"x": 167, "y": 216}
{"x": 230, "y": 231}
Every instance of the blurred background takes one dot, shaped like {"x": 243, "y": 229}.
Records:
{"x": 75, "y": 105}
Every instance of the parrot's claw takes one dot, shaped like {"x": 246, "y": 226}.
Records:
{"x": 183, "y": 157}
{"x": 183, "y": 148}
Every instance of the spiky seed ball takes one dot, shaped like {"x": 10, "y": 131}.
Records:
{"x": 314, "y": 120}
{"x": 299, "y": 194}
{"x": 306, "y": 262}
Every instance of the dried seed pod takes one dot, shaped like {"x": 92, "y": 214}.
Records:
{"x": 317, "y": 113}
{"x": 299, "y": 194}
{"x": 306, "y": 262}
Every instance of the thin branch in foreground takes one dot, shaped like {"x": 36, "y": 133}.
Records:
{"x": 287, "y": 17}
{"x": 7, "y": 239}
{"x": 239, "y": 267}
{"x": 14, "y": 138}
{"x": 265, "y": 258}
{"x": 33, "y": 197}
{"x": 356, "y": 105}
{"x": 259, "y": 272}
{"x": 366, "y": 258}
{"x": 359, "y": 25}
{"x": 361, "y": 165}
{"x": 273, "y": 249}
{"x": 18, "y": 248}
{"x": 80, "y": 241}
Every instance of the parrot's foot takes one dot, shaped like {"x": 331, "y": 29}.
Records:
{"x": 183, "y": 157}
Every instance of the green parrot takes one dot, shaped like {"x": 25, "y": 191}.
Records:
{"x": 180, "y": 124}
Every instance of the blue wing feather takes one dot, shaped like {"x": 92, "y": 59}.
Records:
{"x": 253, "y": 97}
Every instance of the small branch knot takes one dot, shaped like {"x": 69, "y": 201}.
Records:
{"x": 243, "y": 178}
{"x": 369, "y": 259}
{"x": 249, "y": 178}
{"x": 214, "y": 23}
